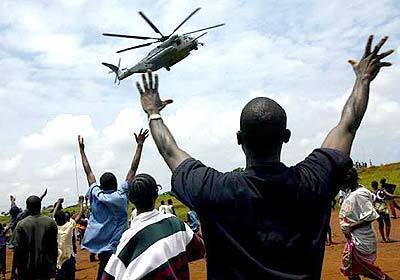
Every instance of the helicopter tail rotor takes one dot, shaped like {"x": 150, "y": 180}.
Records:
{"x": 115, "y": 69}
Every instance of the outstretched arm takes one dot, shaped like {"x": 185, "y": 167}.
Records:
{"x": 341, "y": 137}
{"x": 389, "y": 195}
{"x": 136, "y": 159}
{"x": 152, "y": 105}
{"x": 57, "y": 208}
{"x": 89, "y": 174}
{"x": 12, "y": 201}
{"x": 43, "y": 194}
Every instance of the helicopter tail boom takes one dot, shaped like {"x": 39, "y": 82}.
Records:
{"x": 115, "y": 69}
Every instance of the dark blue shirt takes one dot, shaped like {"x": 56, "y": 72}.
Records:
{"x": 268, "y": 222}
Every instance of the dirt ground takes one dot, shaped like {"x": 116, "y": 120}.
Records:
{"x": 388, "y": 257}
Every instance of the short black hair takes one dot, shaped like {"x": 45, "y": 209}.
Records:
{"x": 33, "y": 204}
{"x": 60, "y": 217}
{"x": 351, "y": 179}
{"x": 108, "y": 181}
{"x": 374, "y": 185}
{"x": 143, "y": 191}
{"x": 263, "y": 123}
{"x": 169, "y": 201}
{"x": 162, "y": 202}
{"x": 383, "y": 181}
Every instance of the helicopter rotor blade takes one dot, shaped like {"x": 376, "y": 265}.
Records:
{"x": 150, "y": 23}
{"x": 215, "y": 26}
{"x": 185, "y": 20}
{"x": 136, "y": 47}
{"x": 128, "y": 36}
{"x": 200, "y": 36}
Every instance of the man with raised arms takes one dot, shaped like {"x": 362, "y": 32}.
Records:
{"x": 109, "y": 204}
{"x": 247, "y": 235}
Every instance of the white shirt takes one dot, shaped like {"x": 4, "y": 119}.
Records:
{"x": 133, "y": 214}
{"x": 163, "y": 209}
{"x": 170, "y": 209}
{"x": 64, "y": 240}
{"x": 356, "y": 207}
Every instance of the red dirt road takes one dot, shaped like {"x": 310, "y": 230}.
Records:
{"x": 388, "y": 257}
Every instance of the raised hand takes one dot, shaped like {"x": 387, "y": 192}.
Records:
{"x": 43, "y": 194}
{"x": 81, "y": 143}
{"x": 142, "y": 136}
{"x": 149, "y": 96}
{"x": 368, "y": 67}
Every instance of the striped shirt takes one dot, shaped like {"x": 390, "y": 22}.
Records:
{"x": 156, "y": 246}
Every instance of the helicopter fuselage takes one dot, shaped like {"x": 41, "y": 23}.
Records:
{"x": 164, "y": 55}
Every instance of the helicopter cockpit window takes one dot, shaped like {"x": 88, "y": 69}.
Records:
{"x": 178, "y": 42}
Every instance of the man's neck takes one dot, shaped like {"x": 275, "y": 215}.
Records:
{"x": 254, "y": 161}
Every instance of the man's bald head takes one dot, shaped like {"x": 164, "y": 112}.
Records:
{"x": 33, "y": 204}
{"x": 263, "y": 124}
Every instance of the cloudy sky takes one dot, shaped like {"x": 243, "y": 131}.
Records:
{"x": 53, "y": 86}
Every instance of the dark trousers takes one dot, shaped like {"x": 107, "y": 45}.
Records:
{"x": 103, "y": 260}
{"x": 67, "y": 270}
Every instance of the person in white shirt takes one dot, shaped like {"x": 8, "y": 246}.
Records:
{"x": 170, "y": 207}
{"x": 355, "y": 217}
{"x": 66, "y": 257}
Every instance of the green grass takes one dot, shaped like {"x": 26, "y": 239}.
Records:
{"x": 390, "y": 171}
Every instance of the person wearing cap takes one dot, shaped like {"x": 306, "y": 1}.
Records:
{"x": 389, "y": 190}
{"x": 380, "y": 204}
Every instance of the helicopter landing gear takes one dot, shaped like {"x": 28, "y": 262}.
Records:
{"x": 168, "y": 69}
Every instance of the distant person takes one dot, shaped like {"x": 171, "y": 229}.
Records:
{"x": 35, "y": 241}
{"x": 66, "y": 263}
{"x": 14, "y": 209}
{"x": 81, "y": 227}
{"x": 157, "y": 245}
{"x": 170, "y": 207}
{"x": 3, "y": 254}
{"x": 163, "y": 207}
{"x": 381, "y": 208}
{"x": 355, "y": 217}
{"x": 23, "y": 214}
{"x": 390, "y": 189}
{"x": 246, "y": 235}
{"x": 109, "y": 207}
{"x": 329, "y": 240}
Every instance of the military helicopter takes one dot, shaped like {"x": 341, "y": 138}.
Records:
{"x": 173, "y": 48}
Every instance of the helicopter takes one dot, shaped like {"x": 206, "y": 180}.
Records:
{"x": 173, "y": 48}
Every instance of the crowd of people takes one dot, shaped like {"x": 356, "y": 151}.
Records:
{"x": 244, "y": 234}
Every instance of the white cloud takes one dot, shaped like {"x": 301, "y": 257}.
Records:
{"x": 10, "y": 165}
{"x": 61, "y": 132}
